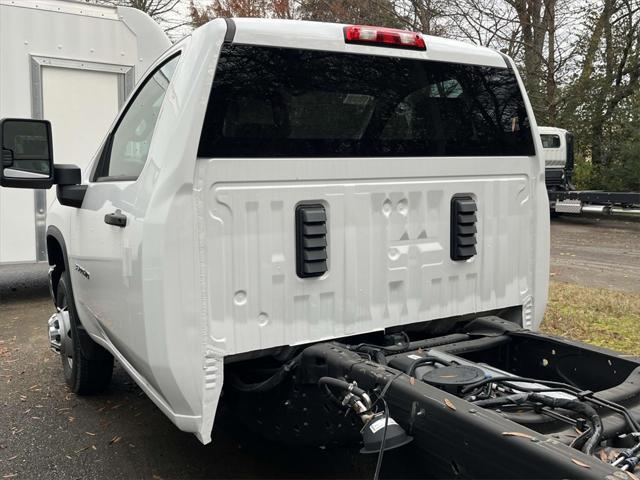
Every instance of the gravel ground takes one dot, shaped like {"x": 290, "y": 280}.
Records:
{"x": 596, "y": 252}
{"x": 47, "y": 432}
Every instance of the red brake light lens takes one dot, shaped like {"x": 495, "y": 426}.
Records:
{"x": 384, "y": 37}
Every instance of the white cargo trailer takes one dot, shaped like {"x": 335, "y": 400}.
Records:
{"x": 74, "y": 64}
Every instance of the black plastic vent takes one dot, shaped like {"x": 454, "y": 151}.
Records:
{"x": 311, "y": 240}
{"x": 463, "y": 227}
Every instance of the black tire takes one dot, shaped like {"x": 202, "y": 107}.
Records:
{"x": 87, "y": 366}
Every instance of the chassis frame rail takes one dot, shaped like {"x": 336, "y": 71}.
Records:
{"x": 460, "y": 439}
{"x": 621, "y": 202}
{"x": 596, "y": 196}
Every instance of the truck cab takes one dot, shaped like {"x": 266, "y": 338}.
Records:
{"x": 280, "y": 198}
{"x": 558, "y": 154}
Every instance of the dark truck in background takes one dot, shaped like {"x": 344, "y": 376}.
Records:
{"x": 559, "y": 156}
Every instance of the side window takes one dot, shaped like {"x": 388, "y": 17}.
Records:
{"x": 132, "y": 137}
{"x": 550, "y": 141}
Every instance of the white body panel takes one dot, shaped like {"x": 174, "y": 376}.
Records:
{"x": 388, "y": 247}
{"x": 71, "y": 63}
{"x": 555, "y": 157}
{"x": 205, "y": 267}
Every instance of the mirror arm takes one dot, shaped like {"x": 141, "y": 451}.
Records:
{"x": 67, "y": 175}
{"x": 69, "y": 191}
{"x": 71, "y": 195}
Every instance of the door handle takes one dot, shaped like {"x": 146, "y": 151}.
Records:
{"x": 116, "y": 218}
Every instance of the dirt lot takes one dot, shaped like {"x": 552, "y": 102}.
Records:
{"x": 45, "y": 432}
{"x": 596, "y": 252}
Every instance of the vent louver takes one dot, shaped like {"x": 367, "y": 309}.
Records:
{"x": 463, "y": 227}
{"x": 311, "y": 240}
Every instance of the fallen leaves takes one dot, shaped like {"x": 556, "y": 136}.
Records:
{"x": 631, "y": 475}
{"x": 519, "y": 435}
{"x": 579, "y": 463}
{"x": 449, "y": 404}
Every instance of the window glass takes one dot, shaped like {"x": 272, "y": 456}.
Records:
{"x": 278, "y": 102}
{"x": 28, "y": 142}
{"x": 132, "y": 138}
{"x": 550, "y": 141}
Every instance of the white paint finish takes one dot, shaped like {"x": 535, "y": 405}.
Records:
{"x": 388, "y": 246}
{"x": 78, "y": 131}
{"x": 17, "y": 227}
{"x": 77, "y": 32}
{"x": 155, "y": 327}
{"x": 330, "y": 36}
{"x": 555, "y": 157}
{"x": 207, "y": 237}
{"x": 69, "y": 7}
{"x": 150, "y": 39}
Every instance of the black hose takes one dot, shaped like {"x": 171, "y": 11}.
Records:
{"x": 556, "y": 387}
{"x": 376, "y": 474}
{"x": 508, "y": 378}
{"x": 516, "y": 399}
{"x": 422, "y": 360}
{"x": 375, "y": 353}
{"x": 581, "y": 439}
{"x": 342, "y": 385}
{"x": 268, "y": 384}
{"x": 577, "y": 406}
{"x": 259, "y": 387}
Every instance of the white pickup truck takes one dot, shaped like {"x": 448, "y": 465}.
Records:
{"x": 318, "y": 217}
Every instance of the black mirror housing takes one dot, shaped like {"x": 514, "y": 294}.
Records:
{"x": 69, "y": 192}
{"x": 26, "y": 153}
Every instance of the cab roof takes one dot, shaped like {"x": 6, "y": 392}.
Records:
{"x": 330, "y": 37}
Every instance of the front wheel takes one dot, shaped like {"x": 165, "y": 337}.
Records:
{"x": 88, "y": 371}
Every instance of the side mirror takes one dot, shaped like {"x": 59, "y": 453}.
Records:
{"x": 26, "y": 153}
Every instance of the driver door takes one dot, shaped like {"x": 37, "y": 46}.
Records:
{"x": 105, "y": 257}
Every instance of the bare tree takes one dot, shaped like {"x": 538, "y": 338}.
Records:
{"x": 609, "y": 75}
{"x": 170, "y": 14}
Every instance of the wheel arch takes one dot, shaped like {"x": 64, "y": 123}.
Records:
{"x": 57, "y": 258}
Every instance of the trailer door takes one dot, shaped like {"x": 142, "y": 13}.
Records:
{"x": 80, "y": 104}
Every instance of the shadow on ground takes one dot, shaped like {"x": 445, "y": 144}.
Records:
{"x": 47, "y": 432}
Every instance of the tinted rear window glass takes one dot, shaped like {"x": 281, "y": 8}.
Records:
{"x": 276, "y": 102}
{"x": 550, "y": 141}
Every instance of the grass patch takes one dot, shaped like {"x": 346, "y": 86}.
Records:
{"x": 594, "y": 315}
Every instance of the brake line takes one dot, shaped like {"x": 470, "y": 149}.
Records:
{"x": 558, "y": 387}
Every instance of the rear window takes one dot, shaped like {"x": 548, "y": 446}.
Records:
{"x": 277, "y": 102}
